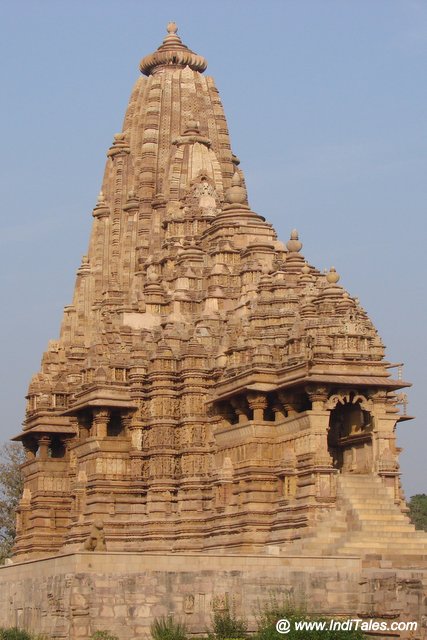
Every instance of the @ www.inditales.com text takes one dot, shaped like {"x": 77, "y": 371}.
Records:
{"x": 350, "y": 624}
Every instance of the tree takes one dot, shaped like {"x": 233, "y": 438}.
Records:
{"x": 418, "y": 510}
{"x": 11, "y": 458}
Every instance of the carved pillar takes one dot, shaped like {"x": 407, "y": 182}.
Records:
{"x": 239, "y": 406}
{"x": 84, "y": 424}
{"x": 30, "y": 449}
{"x": 137, "y": 378}
{"x": 100, "y": 422}
{"x": 44, "y": 444}
{"x": 385, "y": 454}
{"x": 257, "y": 403}
{"x": 291, "y": 402}
{"x": 126, "y": 418}
{"x": 319, "y": 418}
{"x": 279, "y": 410}
{"x": 317, "y": 395}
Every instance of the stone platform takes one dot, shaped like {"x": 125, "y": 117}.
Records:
{"x": 71, "y": 596}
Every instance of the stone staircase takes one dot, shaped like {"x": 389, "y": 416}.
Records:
{"x": 366, "y": 523}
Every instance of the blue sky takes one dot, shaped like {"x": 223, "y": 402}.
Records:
{"x": 326, "y": 106}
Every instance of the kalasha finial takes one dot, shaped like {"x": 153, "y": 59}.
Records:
{"x": 332, "y": 276}
{"x": 294, "y": 245}
{"x": 236, "y": 194}
{"x": 172, "y": 53}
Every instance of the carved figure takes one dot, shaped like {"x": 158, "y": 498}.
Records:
{"x": 96, "y": 539}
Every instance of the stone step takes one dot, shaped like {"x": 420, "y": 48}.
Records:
{"x": 382, "y": 516}
{"x": 381, "y": 501}
{"x": 389, "y": 532}
{"x": 369, "y": 495}
{"x": 377, "y": 494}
{"x": 369, "y": 545}
{"x": 367, "y": 521}
{"x": 362, "y": 541}
{"x": 385, "y": 501}
{"x": 362, "y": 491}
{"x": 403, "y": 537}
{"x": 382, "y": 519}
{"x": 386, "y": 511}
{"x": 368, "y": 483}
{"x": 365, "y": 487}
{"x": 357, "y": 497}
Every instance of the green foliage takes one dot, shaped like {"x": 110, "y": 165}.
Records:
{"x": 11, "y": 458}
{"x": 15, "y": 634}
{"x": 165, "y": 628}
{"x": 227, "y": 625}
{"x": 273, "y": 611}
{"x": 19, "y": 634}
{"x": 286, "y": 610}
{"x": 418, "y": 510}
{"x": 103, "y": 635}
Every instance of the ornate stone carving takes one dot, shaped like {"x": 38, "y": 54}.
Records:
{"x": 100, "y": 422}
{"x": 205, "y": 373}
{"x": 257, "y": 403}
{"x": 96, "y": 539}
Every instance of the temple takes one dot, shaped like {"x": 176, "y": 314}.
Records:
{"x": 211, "y": 390}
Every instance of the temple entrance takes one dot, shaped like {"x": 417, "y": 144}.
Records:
{"x": 350, "y": 436}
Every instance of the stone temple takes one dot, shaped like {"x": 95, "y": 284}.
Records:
{"x": 216, "y": 419}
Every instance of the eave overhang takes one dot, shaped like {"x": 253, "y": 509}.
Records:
{"x": 364, "y": 374}
{"x": 101, "y": 396}
{"x": 46, "y": 423}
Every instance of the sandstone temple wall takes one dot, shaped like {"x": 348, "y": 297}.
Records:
{"x": 71, "y": 596}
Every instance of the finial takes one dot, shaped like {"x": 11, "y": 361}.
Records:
{"x": 294, "y": 245}
{"x": 172, "y": 53}
{"x": 236, "y": 180}
{"x": 332, "y": 276}
{"x": 101, "y": 209}
{"x": 172, "y": 27}
{"x": 236, "y": 194}
{"x": 305, "y": 269}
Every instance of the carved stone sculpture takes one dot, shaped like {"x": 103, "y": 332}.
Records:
{"x": 210, "y": 389}
{"x": 96, "y": 539}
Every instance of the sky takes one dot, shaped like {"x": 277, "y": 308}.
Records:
{"x": 326, "y": 106}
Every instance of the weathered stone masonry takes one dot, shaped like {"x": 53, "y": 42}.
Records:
{"x": 74, "y": 595}
{"x": 211, "y": 392}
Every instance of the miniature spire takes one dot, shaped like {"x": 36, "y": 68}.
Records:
{"x": 172, "y": 53}
{"x": 101, "y": 209}
{"x": 294, "y": 245}
{"x": 236, "y": 194}
{"x": 332, "y": 276}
